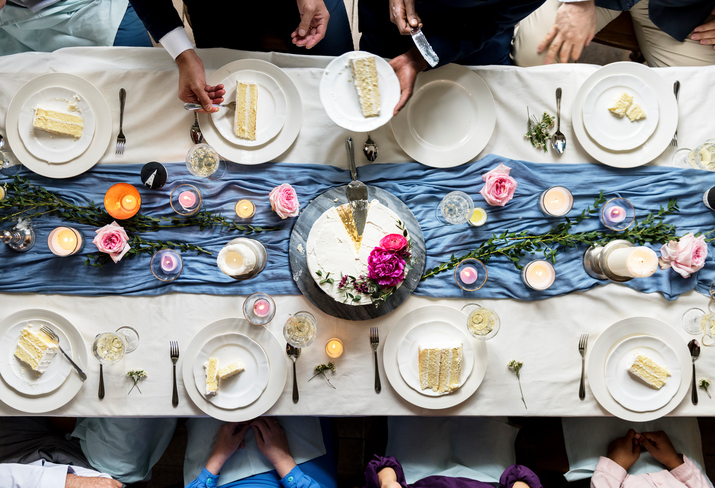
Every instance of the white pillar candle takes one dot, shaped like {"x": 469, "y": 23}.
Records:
{"x": 633, "y": 262}
{"x": 538, "y": 275}
{"x": 237, "y": 260}
{"x": 556, "y": 201}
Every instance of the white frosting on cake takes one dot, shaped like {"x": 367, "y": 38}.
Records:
{"x": 330, "y": 248}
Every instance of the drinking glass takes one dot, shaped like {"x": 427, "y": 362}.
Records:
{"x": 203, "y": 161}
{"x": 456, "y": 208}
{"x": 299, "y": 330}
{"x": 691, "y": 320}
{"x": 483, "y": 323}
{"x": 130, "y": 336}
{"x": 108, "y": 348}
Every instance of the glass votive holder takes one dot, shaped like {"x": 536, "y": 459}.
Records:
{"x": 618, "y": 214}
{"x": 130, "y": 336}
{"x": 470, "y": 274}
{"x": 556, "y": 201}
{"x": 185, "y": 200}
{"x": 245, "y": 209}
{"x": 538, "y": 275}
{"x": 456, "y": 208}
{"x": 334, "y": 348}
{"x": 166, "y": 265}
{"x": 122, "y": 201}
{"x": 202, "y": 160}
{"x": 259, "y": 308}
{"x": 483, "y": 323}
{"x": 300, "y": 329}
{"x": 65, "y": 241}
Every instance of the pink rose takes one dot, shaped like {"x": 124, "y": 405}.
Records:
{"x": 284, "y": 201}
{"x": 393, "y": 242}
{"x": 113, "y": 240}
{"x": 686, "y": 256}
{"x": 498, "y": 187}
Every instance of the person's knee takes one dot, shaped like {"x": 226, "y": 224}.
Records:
{"x": 523, "y": 47}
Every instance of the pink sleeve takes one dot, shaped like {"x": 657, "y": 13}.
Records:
{"x": 689, "y": 475}
{"x": 608, "y": 474}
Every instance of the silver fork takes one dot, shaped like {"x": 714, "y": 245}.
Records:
{"x": 674, "y": 140}
{"x": 582, "y": 343}
{"x": 121, "y": 140}
{"x": 52, "y": 335}
{"x": 174, "y": 352}
{"x": 374, "y": 342}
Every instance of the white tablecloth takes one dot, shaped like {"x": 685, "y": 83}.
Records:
{"x": 544, "y": 334}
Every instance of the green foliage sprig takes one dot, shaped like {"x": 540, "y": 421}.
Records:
{"x": 321, "y": 369}
{"x": 538, "y": 131}
{"x": 514, "y": 245}
{"x": 515, "y": 366}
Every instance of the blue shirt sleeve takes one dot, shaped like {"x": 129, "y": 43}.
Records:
{"x": 297, "y": 479}
{"x": 205, "y": 480}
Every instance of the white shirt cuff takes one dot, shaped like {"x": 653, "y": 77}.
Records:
{"x": 176, "y": 42}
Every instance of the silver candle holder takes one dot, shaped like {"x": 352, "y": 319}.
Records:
{"x": 19, "y": 238}
{"x": 595, "y": 261}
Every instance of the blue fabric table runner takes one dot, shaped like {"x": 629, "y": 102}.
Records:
{"x": 420, "y": 187}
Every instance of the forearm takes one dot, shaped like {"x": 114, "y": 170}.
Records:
{"x": 608, "y": 474}
{"x": 689, "y": 474}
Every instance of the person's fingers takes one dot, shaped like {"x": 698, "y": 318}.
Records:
{"x": 317, "y": 34}
{"x": 412, "y": 18}
{"x": 406, "y": 94}
{"x": 547, "y": 39}
{"x": 565, "y": 53}
{"x": 400, "y": 20}
{"x": 553, "y": 50}
{"x": 704, "y": 27}
{"x": 258, "y": 435}
{"x": 305, "y": 20}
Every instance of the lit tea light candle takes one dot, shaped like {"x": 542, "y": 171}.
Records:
{"x": 538, "y": 275}
{"x": 633, "y": 262}
{"x": 187, "y": 199}
{"x": 468, "y": 275}
{"x": 261, "y": 308}
{"x": 122, "y": 201}
{"x": 169, "y": 262}
{"x": 64, "y": 241}
{"x": 129, "y": 203}
{"x": 615, "y": 214}
{"x": 334, "y": 348}
{"x": 237, "y": 260}
{"x": 245, "y": 209}
{"x": 556, "y": 201}
{"x": 478, "y": 218}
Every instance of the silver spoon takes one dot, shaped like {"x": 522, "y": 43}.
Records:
{"x": 694, "y": 347}
{"x": 195, "y": 132}
{"x": 558, "y": 140}
{"x": 370, "y": 149}
{"x": 293, "y": 353}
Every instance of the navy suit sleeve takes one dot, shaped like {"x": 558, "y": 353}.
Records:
{"x": 159, "y": 16}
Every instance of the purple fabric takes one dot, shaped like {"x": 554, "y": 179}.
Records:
{"x": 511, "y": 475}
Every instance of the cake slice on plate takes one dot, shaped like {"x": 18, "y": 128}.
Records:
{"x": 211, "y": 370}
{"x": 440, "y": 367}
{"x": 246, "y": 114}
{"x": 58, "y": 123}
{"x": 364, "y": 72}
{"x": 648, "y": 371}
{"x": 231, "y": 370}
{"x": 36, "y": 349}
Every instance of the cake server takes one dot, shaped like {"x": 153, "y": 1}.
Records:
{"x": 356, "y": 192}
{"x": 424, "y": 47}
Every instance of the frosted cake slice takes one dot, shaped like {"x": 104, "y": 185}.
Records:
{"x": 211, "y": 370}
{"x": 246, "y": 113}
{"x": 364, "y": 72}
{"x": 231, "y": 370}
{"x": 440, "y": 367}
{"x": 620, "y": 104}
{"x": 648, "y": 371}
{"x": 36, "y": 349}
{"x": 58, "y": 123}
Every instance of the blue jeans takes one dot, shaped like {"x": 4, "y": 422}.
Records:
{"x": 132, "y": 32}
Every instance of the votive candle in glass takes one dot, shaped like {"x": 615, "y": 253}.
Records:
{"x": 245, "y": 209}
{"x": 468, "y": 274}
{"x": 538, "y": 275}
{"x": 65, "y": 241}
{"x": 166, "y": 265}
{"x": 187, "y": 199}
{"x": 556, "y": 201}
{"x": 618, "y": 214}
{"x": 122, "y": 201}
{"x": 259, "y": 308}
{"x": 633, "y": 262}
{"x": 334, "y": 348}
{"x": 169, "y": 262}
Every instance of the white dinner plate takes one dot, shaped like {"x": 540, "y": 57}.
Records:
{"x": 277, "y": 374}
{"x": 102, "y": 121}
{"x": 613, "y": 132}
{"x": 658, "y": 141}
{"x": 279, "y": 144}
{"x": 340, "y": 99}
{"x": 415, "y": 318}
{"x": 19, "y": 375}
{"x": 271, "y": 108}
{"x": 607, "y": 342}
{"x": 448, "y": 120}
{"x": 428, "y": 334}
{"x": 630, "y": 391}
{"x": 241, "y": 389}
{"x": 49, "y": 147}
{"x": 50, "y": 401}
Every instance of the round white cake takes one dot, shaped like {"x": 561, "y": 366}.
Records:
{"x": 333, "y": 248}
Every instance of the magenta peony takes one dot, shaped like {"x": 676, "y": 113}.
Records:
{"x": 385, "y": 267}
{"x": 498, "y": 187}
{"x": 284, "y": 201}
{"x": 113, "y": 240}
{"x": 685, "y": 256}
{"x": 394, "y": 242}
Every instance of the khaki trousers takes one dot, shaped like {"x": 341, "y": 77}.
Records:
{"x": 658, "y": 48}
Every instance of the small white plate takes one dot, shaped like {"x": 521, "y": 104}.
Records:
{"x": 619, "y": 133}
{"x": 55, "y": 148}
{"x": 19, "y": 375}
{"x": 340, "y": 99}
{"x": 271, "y": 108}
{"x": 434, "y": 332}
{"x": 239, "y": 390}
{"x": 630, "y": 391}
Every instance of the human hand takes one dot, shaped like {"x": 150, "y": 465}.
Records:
{"x": 229, "y": 440}
{"x": 704, "y": 33}
{"x": 660, "y": 447}
{"x": 192, "y": 82}
{"x": 625, "y": 450}
{"x": 273, "y": 444}
{"x": 74, "y": 481}
{"x": 314, "y": 17}
{"x": 406, "y": 67}
{"x": 388, "y": 478}
{"x": 573, "y": 29}
{"x": 403, "y": 15}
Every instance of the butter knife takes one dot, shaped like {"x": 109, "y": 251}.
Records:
{"x": 356, "y": 192}
{"x": 424, "y": 47}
